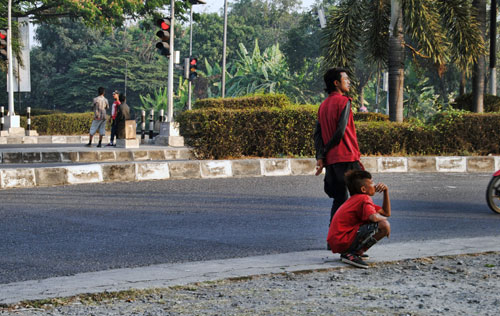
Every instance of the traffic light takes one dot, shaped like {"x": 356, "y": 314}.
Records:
{"x": 192, "y": 68}
{"x": 3, "y": 44}
{"x": 164, "y": 34}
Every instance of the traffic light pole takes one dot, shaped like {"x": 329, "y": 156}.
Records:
{"x": 190, "y": 53}
{"x": 170, "y": 87}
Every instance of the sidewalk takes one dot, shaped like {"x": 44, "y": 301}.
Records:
{"x": 168, "y": 275}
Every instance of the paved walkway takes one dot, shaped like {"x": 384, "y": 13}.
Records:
{"x": 166, "y": 275}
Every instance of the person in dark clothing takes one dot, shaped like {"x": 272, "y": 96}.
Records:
{"x": 335, "y": 138}
{"x": 122, "y": 114}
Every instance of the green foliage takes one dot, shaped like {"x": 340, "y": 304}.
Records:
{"x": 264, "y": 132}
{"x": 103, "y": 13}
{"x": 225, "y": 129}
{"x": 420, "y": 97}
{"x": 464, "y": 133}
{"x": 464, "y": 102}
{"x": 268, "y": 72}
{"x": 370, "y": 117}
{"x": 70, "y": 65}
{"x": 256, "y": 101}
{"x": 61, "y": 124}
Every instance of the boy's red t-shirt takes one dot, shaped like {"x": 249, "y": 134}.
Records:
{"x": 355, "y": 212}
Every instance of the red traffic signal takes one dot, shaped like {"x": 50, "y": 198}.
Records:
{"x": 3, "y": 44}
{"x": 164, "y": 35}
{"x": 193, "y": 65}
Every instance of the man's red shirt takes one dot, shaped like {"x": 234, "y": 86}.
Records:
{"x": 356, "y": 211}
{"x": 328, "y": 116}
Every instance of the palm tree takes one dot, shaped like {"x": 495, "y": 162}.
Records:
{"x": 442, "y": 31}
{"x": 479, "y": 66}
{"x": 493, "y": 47}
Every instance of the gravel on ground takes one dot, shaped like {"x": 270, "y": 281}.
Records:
{"x": 449, "y": 285}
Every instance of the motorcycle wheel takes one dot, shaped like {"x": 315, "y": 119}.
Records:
{"x": 493, "y": 194}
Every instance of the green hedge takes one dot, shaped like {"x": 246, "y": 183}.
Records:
{"x": 263, "y": 132}
{"x": 287, "y": 131}
{"x": 61, "y": 123}
{"x": 464, "y": 102}
{"x": 256, "y": 101}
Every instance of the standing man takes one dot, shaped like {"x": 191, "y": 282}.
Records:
{"x": 335, "y": 137}
{"x": 123, "y": 114}
{"x": 99, "y": 107}
{"x": 114, "y": 110}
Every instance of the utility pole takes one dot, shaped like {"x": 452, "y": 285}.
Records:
{"x": 224, "y": 51}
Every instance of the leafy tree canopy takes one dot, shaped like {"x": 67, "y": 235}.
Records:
{"x": 95, "y": 13}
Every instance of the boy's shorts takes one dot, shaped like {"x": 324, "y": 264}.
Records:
{"x": 98, "y": 125}
{"x": 364, "y": 232}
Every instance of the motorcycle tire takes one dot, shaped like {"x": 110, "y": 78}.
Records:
{"x": 493, "y": 194}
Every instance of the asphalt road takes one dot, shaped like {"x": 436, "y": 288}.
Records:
{"x": 46, "y": 232}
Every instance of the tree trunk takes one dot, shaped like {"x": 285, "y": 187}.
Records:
{"x": 493, "y": 46}
{"x": 463, "y": 82}
{"x": 479, "y": 67}
{"x": 396, "y": 62}
{"x": 361, "y": 95}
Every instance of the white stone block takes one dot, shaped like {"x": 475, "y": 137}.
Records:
{"x": 392, "y": 164}
{"x": 152, "y": 171}
{"x": 127, "y": 143}
{"x": 17, "y": 178}
{"x": 216, "y": 169}
{"x": 84, "y": 174}
{"x": 451, "y": 164}
{"x": 275, "y": 167}
{"x": 58, "y": 139}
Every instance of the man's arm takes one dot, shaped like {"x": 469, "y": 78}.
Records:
{"x": 386, "y": 204}
{"x": 320, "y": 149}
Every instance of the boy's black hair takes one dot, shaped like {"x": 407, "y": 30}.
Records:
{"x": 122, "y": 97}
{"x": 354, "y": 180}
{"x": 101, "y": 90}
{"x": 330, "y": 76}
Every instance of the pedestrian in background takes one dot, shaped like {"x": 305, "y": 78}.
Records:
{"x": 114, "y": 110}
{"x": 335, "y": 137}
{"x": 99, "y": 106}
{"x": 122, "y": 115}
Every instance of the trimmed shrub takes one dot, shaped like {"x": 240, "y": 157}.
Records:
{"x": 262, "y": 132}
{"x": 464, "y": 102}
{"x": 256, "y": 101}
{"x": 465, "y": 133}
{"x": 61, "y": 124}
{"x": 370, "y": 117}
{"x": 274, "y": 132}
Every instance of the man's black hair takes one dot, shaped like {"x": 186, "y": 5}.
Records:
{"x": 354, "y": 180}
{"x": 330, "y": 76}
{"x": 101, "y": 90}
{"x": 122, "y": 97}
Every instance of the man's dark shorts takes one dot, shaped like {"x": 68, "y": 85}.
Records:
{"x": 364, "y": 233}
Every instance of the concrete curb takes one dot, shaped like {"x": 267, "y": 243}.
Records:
{"x": 209, "y": 169}
{"x": 166, "y": 275}
{"x": 84, "y": 155}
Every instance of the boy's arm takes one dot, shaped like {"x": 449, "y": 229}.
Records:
{"x": 386, "y": 204}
